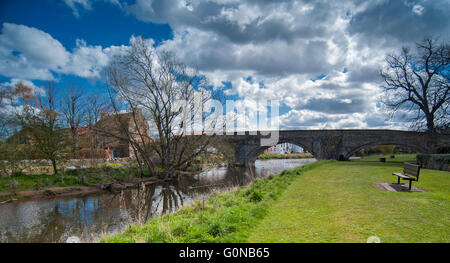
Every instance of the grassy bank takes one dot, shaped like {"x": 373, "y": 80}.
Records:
{"x": 228, "y": 217}
{"x": 285, "y": 156}
{"x": 339, "y": 202}
{"x": 82, "y": 177}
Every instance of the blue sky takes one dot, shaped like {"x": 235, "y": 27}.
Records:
{"x": 320, "y": 59}
{"x": 104, "y": 25}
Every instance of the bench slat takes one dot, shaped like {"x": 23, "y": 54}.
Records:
{"x": 402, "y": 176}
{"x": 411, "y": 169}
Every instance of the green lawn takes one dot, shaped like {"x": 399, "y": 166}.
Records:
{"x": 339, "y": 202}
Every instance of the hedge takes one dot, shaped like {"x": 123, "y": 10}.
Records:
{"x": 434, "y": 161}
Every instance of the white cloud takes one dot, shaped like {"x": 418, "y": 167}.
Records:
{"x": 319, "y": 58}
{"x": 30, "y": 53}
{"x": 284, "y": 45}
{"x": 77, "y": 5}
{"x": 418, "y": 9}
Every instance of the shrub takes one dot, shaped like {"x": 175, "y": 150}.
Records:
{"x": 215, "y": 229}
{"x": 255, "y": 196}
{"x": 49, "y": 193}
{"x": 434, "y": 161}
{"x": 14, "y": 184}
{"x": 72, "y": 172}
{"x": 17, "y": 174}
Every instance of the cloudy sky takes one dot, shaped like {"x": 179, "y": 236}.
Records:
{"x": 319, "y": 58}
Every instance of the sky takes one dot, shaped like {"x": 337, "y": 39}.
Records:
{"x": 320, "y": 59}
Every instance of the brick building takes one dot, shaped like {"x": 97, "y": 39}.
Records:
{"x": 108, "y": 138}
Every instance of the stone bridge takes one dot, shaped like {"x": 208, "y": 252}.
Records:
{"x": 333, "y": 144}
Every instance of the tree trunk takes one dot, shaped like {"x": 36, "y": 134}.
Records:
{"x": 430, "y": 123}
{"x": 55, "y": 170}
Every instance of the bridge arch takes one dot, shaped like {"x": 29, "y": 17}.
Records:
{"x": 253, "y": 154}
{"x": 416, "y": 147}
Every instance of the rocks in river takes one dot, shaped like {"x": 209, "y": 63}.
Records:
{"x": 113, "y": 187}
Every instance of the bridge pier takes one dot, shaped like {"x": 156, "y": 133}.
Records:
{"x": 246, "y": 154}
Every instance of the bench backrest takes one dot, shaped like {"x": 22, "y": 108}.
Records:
{"x": 411, "y": 170}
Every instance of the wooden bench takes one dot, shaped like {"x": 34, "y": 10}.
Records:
{"x": 410, "y": 173}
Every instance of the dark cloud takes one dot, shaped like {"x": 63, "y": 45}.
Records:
{"x": 335, "y": 106}
{"x": 213, "y": 17}
{"x": 364, "y": 74}
{"x": 397, "y": 19}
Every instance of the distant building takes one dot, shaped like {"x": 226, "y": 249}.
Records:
{"x": 109, "y": 136}
{"x": 283, "y": 148}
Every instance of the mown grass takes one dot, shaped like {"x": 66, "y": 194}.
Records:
{"x": 226, "y": 217}
{"x": 339, "y": 202}
{"x": 285, "y": 156}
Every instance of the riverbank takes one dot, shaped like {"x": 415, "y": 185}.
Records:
{"x": 339, "y": 202}
{"x": 75, "y": 190}
{"x": 21, "y": 185}
{"x": 285, "y": 156}
{"x": 77, "y": 182}
{"x": 327, "y": 201}
{"x": 225, "y": 217}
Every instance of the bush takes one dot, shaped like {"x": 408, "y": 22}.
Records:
{"x": 49, "y": 193}
{"x": 255, "y": 196}
{"x": 444, "y": 149}
{"x": 434, "y": 161}
{"x": 14, "y": 185}
{"x": 72, "y": 172}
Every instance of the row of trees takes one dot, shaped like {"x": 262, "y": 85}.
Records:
{"x": 44, "y": 123}
{"x": 164, "y": 100}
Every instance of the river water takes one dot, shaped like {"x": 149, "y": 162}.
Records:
{"x": 88, "y": 217}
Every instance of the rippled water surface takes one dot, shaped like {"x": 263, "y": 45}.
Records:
{"x": 90, "y": 216}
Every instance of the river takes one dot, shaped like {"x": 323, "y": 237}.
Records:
{"x": 89, "y": 217}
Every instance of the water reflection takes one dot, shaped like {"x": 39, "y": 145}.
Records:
{"x": 90, "y": 216}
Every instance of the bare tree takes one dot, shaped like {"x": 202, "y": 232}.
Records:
{"x": 419, "y": 82}
{"x": 169, "y": 95}
{"x": 41, "y": 122}
{"x": 6, "y": 157}
{"x": 12, "y": 149}
{"x": 96, "y": 105}
{"x": 6, "y": 97}
{"x": 73, "y": 109}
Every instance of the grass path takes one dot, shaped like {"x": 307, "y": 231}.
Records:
{"x": 339, "y": 202}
